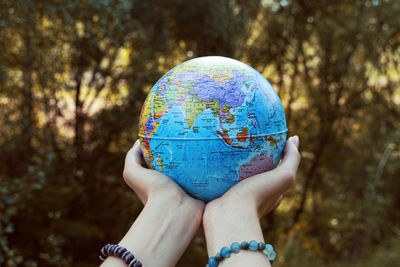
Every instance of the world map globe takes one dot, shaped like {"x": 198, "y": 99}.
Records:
{"x": 211, "y": 122}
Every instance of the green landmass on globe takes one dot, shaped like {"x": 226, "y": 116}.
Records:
{"x": 211, "y": 122}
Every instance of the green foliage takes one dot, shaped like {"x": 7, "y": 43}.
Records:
{"x": 384, "y": 255}
{"x": 73, "y": 77}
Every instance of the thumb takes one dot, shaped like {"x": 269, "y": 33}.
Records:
{"x": 134, "y": 173}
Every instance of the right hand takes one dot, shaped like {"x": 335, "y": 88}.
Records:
{"x": 262, "y": 192}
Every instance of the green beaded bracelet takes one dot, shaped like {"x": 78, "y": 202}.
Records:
{"x": 235, "y": 247}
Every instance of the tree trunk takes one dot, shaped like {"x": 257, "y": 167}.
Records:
{"x": 79, "y": 119}
{"x": 324, "y": 136}
{"x": 291, "y": 94}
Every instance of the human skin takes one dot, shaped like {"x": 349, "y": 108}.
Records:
{"x": 170, "y": 217}
{"x": 168, "y": 222}
{"x": 235, "y": 217}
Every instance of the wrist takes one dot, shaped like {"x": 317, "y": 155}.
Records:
{"x": 224, "y": 223}
{"x": 152, "y": 237}
{"x": 229, "y": 212}
{"x": 176, "y": 204}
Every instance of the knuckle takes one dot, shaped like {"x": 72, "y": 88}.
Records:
{"x": 289, "y": 177}
{"x": 126, "y": 175}
{"x": 278, "y": 202}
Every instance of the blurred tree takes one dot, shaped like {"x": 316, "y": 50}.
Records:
{"x": 73, "y": 77}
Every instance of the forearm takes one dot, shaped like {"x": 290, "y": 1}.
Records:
{"x": 160, "y": 234}
{"x": 226, "y": 227}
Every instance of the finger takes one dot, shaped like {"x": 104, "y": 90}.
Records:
{"x": 133, "y": 160}
{"x": 269, "y": 205}
{"x": 278, "y": 201}
{"x": 134, "y": 173}
{"x": 275, "y": 182}
{"x": 283, "y": 177}
{"x": 134, "y": 155}
{"x": 295, "y": 139}
{"x": 291, "y": 158}
{"x": 137, "y": 175}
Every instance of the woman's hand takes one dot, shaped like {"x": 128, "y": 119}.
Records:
{"x": 234, "y": 217}
{"x": 168, "y": 222}
{"x": 262, "y": 192}
{"x": 153, "y": 185}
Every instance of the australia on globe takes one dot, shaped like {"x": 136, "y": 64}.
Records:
{"x": 211, "y": 122}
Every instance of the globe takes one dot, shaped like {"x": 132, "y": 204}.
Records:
{"x": 211, "y": 122}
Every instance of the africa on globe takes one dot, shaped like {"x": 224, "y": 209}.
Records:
{"x": 211, "y": 122}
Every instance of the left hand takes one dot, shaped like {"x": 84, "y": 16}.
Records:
{"x": 168, "y": 222}
{"x": 151, "y": 184}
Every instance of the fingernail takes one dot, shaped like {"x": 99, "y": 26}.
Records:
{"x": 296, "y": 140}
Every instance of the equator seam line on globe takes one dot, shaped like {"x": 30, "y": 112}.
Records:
{"x": 210, "y": 138}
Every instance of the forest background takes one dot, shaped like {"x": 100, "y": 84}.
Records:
{"x": 74, "y": 75}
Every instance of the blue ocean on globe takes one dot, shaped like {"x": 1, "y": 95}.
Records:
{"x": 211, "y": 122}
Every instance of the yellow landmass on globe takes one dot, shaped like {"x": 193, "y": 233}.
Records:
{"x": 226, "y": 109}
{"x": 221, "y": 77}
{"x": 144, "y": 117}
{"x": 213, "y": 104}
{"x": 180, "y": 69}
{"x": 159, "y": 161}
{"x": 242, "y": 136}
{"x": 159, "y": 106}
{"x": 192, "y": 108}
{"x": 217, "y": 71}
{"x": 146, "y": 113}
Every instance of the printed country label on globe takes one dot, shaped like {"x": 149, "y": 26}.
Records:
{"x": 209, "y": 123}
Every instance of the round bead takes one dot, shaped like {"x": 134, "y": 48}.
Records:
{"x": 108, "y": 249}
{"x": 117, "y": 250}
{"x": 272, "y": 256}
{"x": 103, "y": 252}
{"x": 267, "y": 250}
{"x": 121, "y": 251}
{"x": 132, "y": 263}
{"x": 253, "y": 245}
{"x": 225, "y": 252}
{"x": 218, "y": 257}
{"x": 137, "y": 264}
{"x": 235, "y": 247}
{"x": 113, "y": 250}
{"x": 128, "y": 258}
{"x": 124, "y": 255}
{"x": 212, "y": 262}
{"x": 244, "y": 245}
{"x": 261, "y": 246}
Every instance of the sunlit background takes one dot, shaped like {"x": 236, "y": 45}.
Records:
{"x": 74, "y": 75}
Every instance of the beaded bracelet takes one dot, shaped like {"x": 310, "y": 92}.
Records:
{"x": 253, "y": 245}
{"x": 117, "y": 251}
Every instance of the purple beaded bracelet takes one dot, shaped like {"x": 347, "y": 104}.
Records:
{"x": 120, "y": 252}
